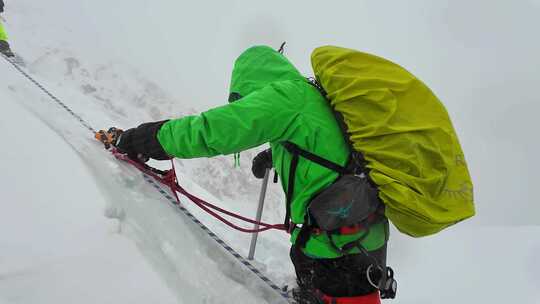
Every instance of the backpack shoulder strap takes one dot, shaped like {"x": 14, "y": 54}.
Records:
{"x": 356, "y": 166}
{"x": 290, "y": 191}
{"x": 296, "y": 150}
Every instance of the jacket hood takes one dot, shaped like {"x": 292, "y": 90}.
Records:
{"x": 258, "y": 67}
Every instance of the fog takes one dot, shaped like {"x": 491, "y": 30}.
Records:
{"x": 479, "y": 57}
{"x": 124, "y": 62}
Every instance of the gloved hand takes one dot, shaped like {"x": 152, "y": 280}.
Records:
{"x": 261, "y": 162}
{"x": 110, "y": 137}
{"x": 139, "y": 143}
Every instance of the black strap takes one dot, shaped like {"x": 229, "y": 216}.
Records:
{"x": 295, "y": 150}
{"x": 305, "y": 231}
{"x": 290, "y": 189}
{"x": 314, "y": 82}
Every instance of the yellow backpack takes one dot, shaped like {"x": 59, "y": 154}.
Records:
{"x": 405, "y": 135}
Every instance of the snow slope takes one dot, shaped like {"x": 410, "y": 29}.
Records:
{"x": 193, "y": 267}
{"x": 57, "y": 245}
{"x": 123, "y": 243}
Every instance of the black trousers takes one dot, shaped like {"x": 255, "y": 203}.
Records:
{"x": 340, "y": 277}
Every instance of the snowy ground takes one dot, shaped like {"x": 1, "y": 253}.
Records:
{"x": 57, "y": 245}
{"x": 78, "y": 226}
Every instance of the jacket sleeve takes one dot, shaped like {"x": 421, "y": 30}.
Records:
{"x": 263, "y": 116}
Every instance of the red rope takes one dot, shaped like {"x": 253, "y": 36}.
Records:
{"x": 170, "y": 179}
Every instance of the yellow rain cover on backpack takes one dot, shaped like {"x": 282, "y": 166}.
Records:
{"x": 406, "y": 136}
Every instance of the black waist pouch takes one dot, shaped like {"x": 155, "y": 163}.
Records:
{"x": 348, "y": 201}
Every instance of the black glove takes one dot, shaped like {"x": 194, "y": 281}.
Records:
{"x": 1, "y": 6}
{"x": 261, "y": 162}
{"x": 139, "y": 143}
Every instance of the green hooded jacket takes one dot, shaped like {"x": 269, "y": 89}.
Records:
{"x": 3, "y": 34}
{"x": 277, "y": 104}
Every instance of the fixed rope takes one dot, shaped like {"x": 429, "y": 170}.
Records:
{"x": 169, "y": 179}
{"x": 56, "y": 99}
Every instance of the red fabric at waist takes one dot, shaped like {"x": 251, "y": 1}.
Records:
{"x": 343, "y": 230}
{"x": 372, "y": 298}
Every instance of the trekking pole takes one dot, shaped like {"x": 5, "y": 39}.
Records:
{"x": 259, "y": 215}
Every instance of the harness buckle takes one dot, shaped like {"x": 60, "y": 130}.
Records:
{"x": 387, "y": 285}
